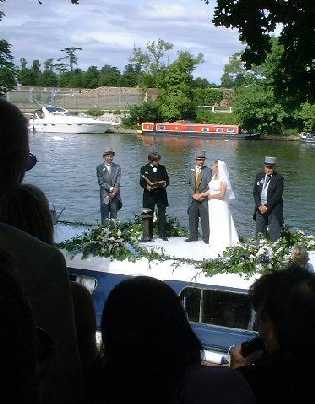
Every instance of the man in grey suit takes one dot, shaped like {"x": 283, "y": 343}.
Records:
{"x": 108, "y": 177}
{"x": 198, "y": 179}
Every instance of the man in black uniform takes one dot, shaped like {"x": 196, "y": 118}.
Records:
{"x": 154, "y": 180}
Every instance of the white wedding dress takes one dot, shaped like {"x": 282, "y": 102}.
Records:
{"x": 222, "y": 229}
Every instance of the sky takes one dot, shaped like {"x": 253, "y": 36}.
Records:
{"x": 107, "y": 30}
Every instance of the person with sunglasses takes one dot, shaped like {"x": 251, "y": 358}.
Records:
{"x": 268, "y": 191}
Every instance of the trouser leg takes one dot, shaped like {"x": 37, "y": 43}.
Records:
{"x": 104, "y": 212}
{"x": 274, "y": 227}
{"x": 204, "y": 218}
{"x": 162, "y": 221}
{"x": 261, "y": 224}
{"x": 193, "y": 214}
{"x": 113, "y": 207}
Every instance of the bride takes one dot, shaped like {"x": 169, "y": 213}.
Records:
{"x": 222, "y": 230}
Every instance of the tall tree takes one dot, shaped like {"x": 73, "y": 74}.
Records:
{"x": 257, "y": 20}
{"x": 176, "y": 99}
{"x": 151, "y": 61}
{"x": 71, "y": 56}
{"x": 49, "y": 77}
{"x": 7, "y": 69}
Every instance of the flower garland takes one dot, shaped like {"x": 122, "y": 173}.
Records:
{"x": 120, "y": 240}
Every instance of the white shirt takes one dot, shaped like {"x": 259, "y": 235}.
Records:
{"x": 264, "y": 191}
{"x": 108, "y": 167}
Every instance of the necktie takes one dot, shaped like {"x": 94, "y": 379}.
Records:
{"x": 198, "y": 180}
{"x": 266, "y": 182}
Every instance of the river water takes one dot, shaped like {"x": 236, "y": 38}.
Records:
{"x": 66, "y": 172}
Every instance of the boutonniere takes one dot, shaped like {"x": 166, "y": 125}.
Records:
{"x": 261, "y": 181}
{"x": 154, "y": 169}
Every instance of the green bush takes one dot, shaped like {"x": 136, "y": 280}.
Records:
{"x": 307, "y": 115}
{"x": 95, "y": 112}
{"x": 145, "y": 112}
{"x": 219, "y": 118}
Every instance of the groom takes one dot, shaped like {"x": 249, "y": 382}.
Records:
{"x": 199, "y": 178}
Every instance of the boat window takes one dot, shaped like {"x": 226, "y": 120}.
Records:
{"x": 55, "y": 109}
{"x": 161, "y": 127}
{"x": 219, "y": 130}
{"x": 191, "y": 298}
{"x": 230, "y": 130}
{"x": 228, "y": 309}
{"x": 205, "y": 130}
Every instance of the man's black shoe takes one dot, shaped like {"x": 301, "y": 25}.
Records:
{"x": 164, "y": 238}
{"x": 189, "y": 240}
{"x": 206, "y": 241}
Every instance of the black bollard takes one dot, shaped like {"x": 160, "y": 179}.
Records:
{"x": 147, "y": 219}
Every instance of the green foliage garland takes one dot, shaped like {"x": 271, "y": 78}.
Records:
{"x": 120, "y": 241}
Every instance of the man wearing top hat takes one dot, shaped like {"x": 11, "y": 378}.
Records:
{"x": 198, "y": 179}
{"x": 154, "y": 181}
{"x": 268, "y": 190}
{"x": 108, "y": 176}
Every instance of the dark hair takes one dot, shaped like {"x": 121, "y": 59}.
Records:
{"x": 17, "y": 337}
{"x": 145, "y": 331}
{"x": 287, "y": 298}
{"x": 154, "y": 156}
{"x": 13, "y": 145}
{"x": 26, "y": 208}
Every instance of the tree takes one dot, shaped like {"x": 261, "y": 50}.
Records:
{"x": 176, "y": 99}
{"x": 256, "y": 21}
{"x": 130, "y": 76}
{"x": 49, "y": 77}
{"x": 257, "y": 109}
{"x": 7, "y": 69}
{"x": 71, "y": 56}
{"x": 151, "y": 61}
{"x": 109, "y": 76}
{"x": 307, "y": 115}
{"x": 91, "y": 77}
{"x": 207, "y": 96}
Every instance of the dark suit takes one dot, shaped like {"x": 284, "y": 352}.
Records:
{"x": 273, "y": 218}
{"x": 198, "y": 209}
{"x": 106, "y": 181}
{"x": 157, "y": 196}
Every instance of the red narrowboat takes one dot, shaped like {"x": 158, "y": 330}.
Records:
{"x": 207, "y": 130}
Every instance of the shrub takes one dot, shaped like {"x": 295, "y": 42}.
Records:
{"x": 145, "y": 112}
{"x": 219, "y": 118}
{"x": 95, "y": 112}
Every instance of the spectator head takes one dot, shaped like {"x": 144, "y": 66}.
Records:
{"x": 14, "y": 148}
{"x": 17, "y": 338}
{"x": 26, "y": 207}
{"x": 299, "y": 256}
{"x": 285, "y": 306}
{"x": 146, "y": 332}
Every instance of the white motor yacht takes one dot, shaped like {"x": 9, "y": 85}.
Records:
{"x": 51, "y": 119}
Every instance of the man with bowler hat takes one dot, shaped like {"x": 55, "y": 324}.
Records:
{"x": 198, "y": 179}
{"x": 268, "y": 190}
{"x": 154, "y": 180}
{"x": 108, "y": 176}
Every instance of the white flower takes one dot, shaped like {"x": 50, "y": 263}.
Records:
{"x": 154, "y": 169}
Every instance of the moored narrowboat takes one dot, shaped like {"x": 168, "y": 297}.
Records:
{"x": 206, "y": 130}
